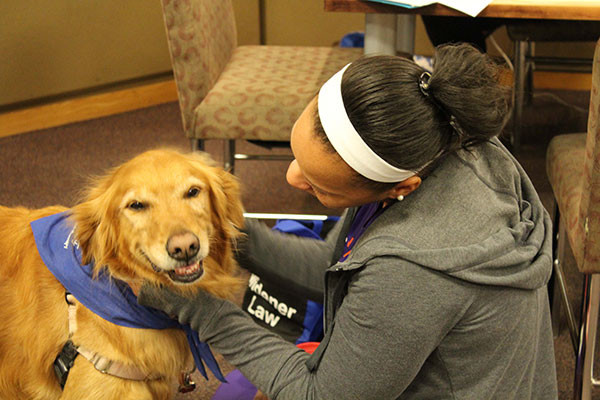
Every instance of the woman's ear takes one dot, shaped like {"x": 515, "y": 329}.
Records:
{"x": 405, "y": 187}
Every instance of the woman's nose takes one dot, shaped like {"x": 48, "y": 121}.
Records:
{"x": 295, "y": 178}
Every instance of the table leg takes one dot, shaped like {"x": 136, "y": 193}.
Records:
{"x": 380, "y": 34}
{"x": 405, "y": 38}
{"x": 389, "y": 34}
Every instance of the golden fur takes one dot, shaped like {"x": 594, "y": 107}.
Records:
{"x": 125, "y": 221}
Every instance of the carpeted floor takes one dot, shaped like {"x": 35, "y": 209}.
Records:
{"x": 52, "y": 166}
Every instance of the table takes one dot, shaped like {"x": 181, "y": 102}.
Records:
{"x": 378, "y": 15}
{"x": 536, "y": 9}
{"x": 390, "y": 28}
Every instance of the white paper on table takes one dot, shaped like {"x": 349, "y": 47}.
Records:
{"x": 469, "y": 7}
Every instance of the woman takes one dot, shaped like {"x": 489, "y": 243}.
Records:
{"x": 434, "y": 280}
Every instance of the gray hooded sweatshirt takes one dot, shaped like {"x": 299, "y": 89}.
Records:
{"x": 443, "y": 297}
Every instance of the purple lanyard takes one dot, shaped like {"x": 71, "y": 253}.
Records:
{"x": 364, "y": 217}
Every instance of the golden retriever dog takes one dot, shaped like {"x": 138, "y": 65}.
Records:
{"x": 164, "y": 217}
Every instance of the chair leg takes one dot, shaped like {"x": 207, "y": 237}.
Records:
{"x": 229, "y": 155}
{"x": 197, "y": 144}
{"x": 584, "y": 363}
{"x": 554, "y": 285}
{"x": 560, "y": 297}
{"x": 529, "y": 70}
{"x": 518, "y": 92}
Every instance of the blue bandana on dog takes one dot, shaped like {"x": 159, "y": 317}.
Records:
{"x": 107, "y": 297}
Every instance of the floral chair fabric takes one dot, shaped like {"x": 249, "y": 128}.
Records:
{"x": 202, "y": 37}
{"x": 573, "y": 167}
{"x": 240, "y": 92}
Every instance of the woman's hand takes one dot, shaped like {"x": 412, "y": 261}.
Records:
{"x": 200, "y": 308}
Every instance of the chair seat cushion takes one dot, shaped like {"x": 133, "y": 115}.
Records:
{"x": 264, "y": 89}
{"x": 565, "y": 168}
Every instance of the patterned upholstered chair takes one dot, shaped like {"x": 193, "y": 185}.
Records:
{"x": 573, "y": 167}
{"x": 240, "y": 92}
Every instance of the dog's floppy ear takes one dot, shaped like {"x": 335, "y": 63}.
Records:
{"x": 225, "y": 198}
{"x": 95, "y": 228}
{"x": 226, "y": 202}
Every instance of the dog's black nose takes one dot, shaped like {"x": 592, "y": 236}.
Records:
{"x": 183, "y": 246}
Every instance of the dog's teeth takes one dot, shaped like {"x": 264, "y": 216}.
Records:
{"x": 190, "y": 269}
{"x": 187, "y": 274}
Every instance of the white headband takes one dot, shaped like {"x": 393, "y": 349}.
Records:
{"x": 346, "y": 141}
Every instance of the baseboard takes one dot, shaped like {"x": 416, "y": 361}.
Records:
{"x": 85, "y": 108}
{"x": 562, "y": 80}
{"x": 101, "y": 105}
{"x": 554, "y": 80}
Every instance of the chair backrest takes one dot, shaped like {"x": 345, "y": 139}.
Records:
{"x": 589, "y": 207}
{"x": 202, "y": 37}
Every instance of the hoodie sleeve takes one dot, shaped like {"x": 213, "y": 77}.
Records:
{"x": 376, "y": 348}
{"x": 298, "y": 262}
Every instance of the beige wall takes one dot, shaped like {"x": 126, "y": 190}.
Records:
{"x": 303, "y": 22}
{"x": 422, "y": 44}
{"x": 53, "y": 47}
{"x": 247, "y": 21}
{"x": 50, "y": 47}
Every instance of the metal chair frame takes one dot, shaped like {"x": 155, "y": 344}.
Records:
{"x": 230, "y": 155}
{"x": 583, "y": 336}
{"x": 525, "y": 63}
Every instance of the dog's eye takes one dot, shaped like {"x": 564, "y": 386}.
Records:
{"x": 193, "y": 192}
{"x": 136, "y": 205}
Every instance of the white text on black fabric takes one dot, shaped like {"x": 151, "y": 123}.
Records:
{"x": 259, "y": 311}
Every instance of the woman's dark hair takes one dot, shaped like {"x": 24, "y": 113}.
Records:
{"x": 463, "y": 105}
